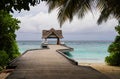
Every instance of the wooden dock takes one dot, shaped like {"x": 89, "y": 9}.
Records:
{"x": 49, "y": 64}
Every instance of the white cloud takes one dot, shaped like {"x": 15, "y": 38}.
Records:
{"x": 38, "y": 19}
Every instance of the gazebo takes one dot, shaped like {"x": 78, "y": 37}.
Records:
{"x": 52, "y": 33}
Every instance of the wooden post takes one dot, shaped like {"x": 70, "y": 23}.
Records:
{"x": 58, "y": 41}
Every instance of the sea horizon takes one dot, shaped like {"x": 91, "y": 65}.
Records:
{"x": 69, "y": 40}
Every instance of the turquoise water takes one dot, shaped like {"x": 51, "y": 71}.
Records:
{"x": 84, "y": 51}
{"x": 26, "y": 45}
{"x": 89, "y": 51}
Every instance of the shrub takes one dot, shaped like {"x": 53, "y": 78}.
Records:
{"x": 114, "y": 50}
{"x": 114, "y": 47}
{"x": 8, "y": 26}
{"x": 3, "y": 59}
{"x": 113, "y": 59}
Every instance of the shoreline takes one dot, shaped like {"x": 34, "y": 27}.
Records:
{"x": 112, "y": 72}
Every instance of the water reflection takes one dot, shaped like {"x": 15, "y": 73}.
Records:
{"x": 68, "y": 54}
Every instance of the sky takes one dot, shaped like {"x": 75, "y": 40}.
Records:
{"x": 38, "y": 19}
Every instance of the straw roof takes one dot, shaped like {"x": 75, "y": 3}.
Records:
{"x": 52, "y": 33}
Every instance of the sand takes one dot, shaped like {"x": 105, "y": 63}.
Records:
{"x": 112, "y": 72}
{"x": 3, "y": 75}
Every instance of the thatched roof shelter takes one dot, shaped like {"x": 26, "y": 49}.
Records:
{"x": 52, "y": 33}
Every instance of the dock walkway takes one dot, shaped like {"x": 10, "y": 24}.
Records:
{"x": 49, "y": 64}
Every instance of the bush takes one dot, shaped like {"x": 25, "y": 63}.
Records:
{"x": 114, "y": 47}
{"x": 8, "y": 26}
{"x": 3, "y": 59}
{"x": 113, "y": 59}
{"x": 114, "y": 50}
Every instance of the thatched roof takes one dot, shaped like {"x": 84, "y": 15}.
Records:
{"x": 52, "y": 33}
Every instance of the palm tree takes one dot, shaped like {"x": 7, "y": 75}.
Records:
{"x": 70, "y": 8}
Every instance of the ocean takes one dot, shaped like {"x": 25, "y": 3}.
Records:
{"x": 84, "y": 51}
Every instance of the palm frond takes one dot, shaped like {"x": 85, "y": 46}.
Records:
{"x": 61, "y": 17}
{"x": 69, "y": 8}
{"x": 54, "y": 4}
{"x": 108, "y": 8}
{"x": 104, "y": 15}
{"x": 101, "y": 4}
{"x": 84, "y": 7}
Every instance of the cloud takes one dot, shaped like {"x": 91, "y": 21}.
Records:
{"x": 37, "y": 19}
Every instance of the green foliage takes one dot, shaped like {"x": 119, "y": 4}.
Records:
{"x": 118, "y": 28}
{"x": 9, "y": 5}
{"x": 8, "y": 26}
{"x": 117, "y": 39}
{"x": 3, "y": 59}
{"x": 113, "y": 59}
{"x": 114, "y": 50}
{"x": 10, "y": 46}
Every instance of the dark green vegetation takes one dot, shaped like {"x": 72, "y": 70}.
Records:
{"x": 3, "y": 60}
{"x": 8, "y": 45}
{"x": 114, "y": 49}
{"x": 18, "y": 5}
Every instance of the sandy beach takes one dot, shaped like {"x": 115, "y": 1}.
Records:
{"x": 112, "y": 72}
{"x": 3, "y": 75}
